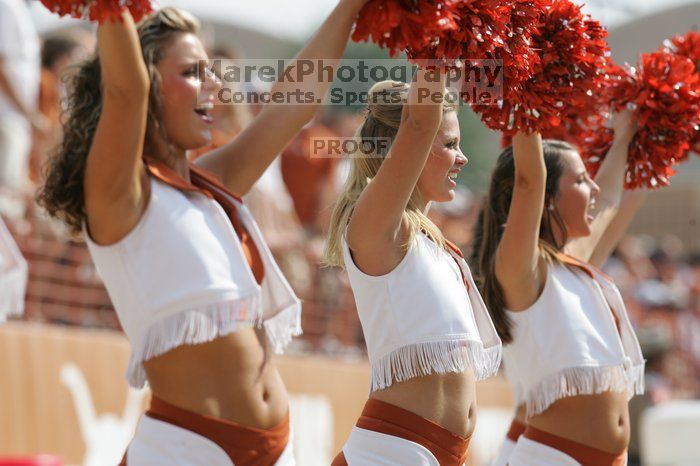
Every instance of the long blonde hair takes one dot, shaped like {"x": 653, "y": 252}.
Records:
{"x": 382, "y": 120}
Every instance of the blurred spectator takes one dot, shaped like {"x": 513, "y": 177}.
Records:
{"x": 58, "y": 52}
{"x": 308, "y": 174}
{"x": 19, "y": 87}
{"x": 668, "y": 274}
{"x": 451, "y": 217}
{"x": 656, "y": 345}
{"x": 689, "y": 322}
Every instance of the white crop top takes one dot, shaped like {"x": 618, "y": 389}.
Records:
{"x": 425, "y": 316}
{"x": 568, "y": 343}
{"x": 181, "y": 277}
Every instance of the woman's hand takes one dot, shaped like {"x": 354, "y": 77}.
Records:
{"x": 625, "y": 126}
{"x": 424, "y": 107}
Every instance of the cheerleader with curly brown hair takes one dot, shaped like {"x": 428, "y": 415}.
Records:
{"x": 196, "y": 288}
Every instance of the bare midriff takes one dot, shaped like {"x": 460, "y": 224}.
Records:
{"x": 599, "y": 421}
{"x": 230, "y": 378}
{"x": 447, "y": 399}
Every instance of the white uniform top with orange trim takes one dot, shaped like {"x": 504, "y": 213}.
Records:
{"x": 184, "y": 276}
{"x": 425, "y": 316}
{"x": 576, "y": 339}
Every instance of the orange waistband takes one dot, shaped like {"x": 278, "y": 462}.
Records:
{"x": 449, "y": 448}
{"x": 515, "y": 431}
{"x": 587, "y": 456}
{"x": 244, "y": 445}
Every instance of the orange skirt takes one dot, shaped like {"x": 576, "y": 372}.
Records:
{"x": 448, "y": 448}
{"x": 246, "y": 446}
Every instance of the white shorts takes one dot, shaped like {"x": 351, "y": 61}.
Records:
{"x": 504, "y": 453}
{"x": 367, "y": 448}
{"x": 530, "y": 453}
{"x": 158, "y": 443}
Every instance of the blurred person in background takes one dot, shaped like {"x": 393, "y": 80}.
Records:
{"x": 451, "y": 216}
{"x": 666, "y": 289}
{"x": 19, "y": 89}
{"x": 689, "y": 322}
{"x": 59, "y": 52}
{"x": 308, "y": 173}
{"x": 629, "y": 263}
{"x": 656, "y": 346}
{"x": 19, "y": 86}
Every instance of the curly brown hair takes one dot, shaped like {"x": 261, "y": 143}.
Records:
{"x": 62, "y": 194}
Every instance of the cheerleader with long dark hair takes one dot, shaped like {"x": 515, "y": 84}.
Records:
{"x": 569, "y": 348}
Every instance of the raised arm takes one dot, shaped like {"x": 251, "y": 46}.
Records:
{"x": 243, "y": 161}
{"x": 114, "y": 174}
{"x": 611, "y": 180}
{"x": 630, "y": 204}
{"x": 374, "y": 232}
{"x": 517, "y": 257}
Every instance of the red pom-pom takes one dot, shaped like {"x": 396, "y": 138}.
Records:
{"x": 99, "y": 10}
{"x": 481, "y": 27}
{"x": 398, "y": 25}
{"x": 573, "y": 55}
{"x": 519, "y": 57}
{"x": 511, "y": 26}
{"x": 688, "y": 46}
{"x": 594, "y": 147}
{"x": 665, "y": 92}
{"x": 580, "y": 131}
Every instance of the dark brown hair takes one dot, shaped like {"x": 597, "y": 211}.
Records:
{"x": 62, "y": 193}
{"x": 492, "y": 220}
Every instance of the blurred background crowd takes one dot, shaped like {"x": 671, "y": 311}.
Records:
{"x": 656, "y": 266}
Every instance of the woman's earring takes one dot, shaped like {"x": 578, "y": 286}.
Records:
{"x": 550, "y": 207}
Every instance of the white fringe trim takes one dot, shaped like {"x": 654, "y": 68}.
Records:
{"x": 281, "y": 328}
{"x": 191, "y": 327}
{"x": 13, "y": 287}
{"x": 584, "y": 381}
{"x": 438, "y": 357}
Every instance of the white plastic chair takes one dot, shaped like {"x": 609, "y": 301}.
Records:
{"x": 670, "y": 434}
